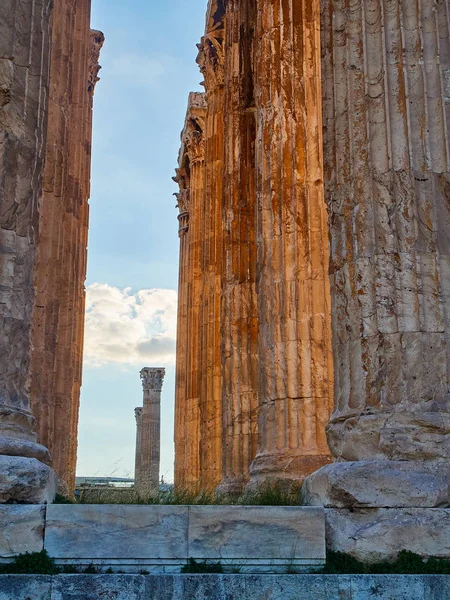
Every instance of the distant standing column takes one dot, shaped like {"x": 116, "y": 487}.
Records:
{"x": 148, "y": 438}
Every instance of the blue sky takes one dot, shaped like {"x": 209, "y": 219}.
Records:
{"x": 148, "y": 69}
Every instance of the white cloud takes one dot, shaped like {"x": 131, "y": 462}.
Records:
{"x": 130, "y": 328}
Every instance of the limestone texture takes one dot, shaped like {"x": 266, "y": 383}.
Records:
{"x": 148, "y": 434}
{"x": 24, "y": 78}
{"x": 378, "y": 534}
{"x": 21, "y": 529}
{"x": 61, "y": 244}
{"x": 393, "y": 484}
{"x": 26, "y": 481}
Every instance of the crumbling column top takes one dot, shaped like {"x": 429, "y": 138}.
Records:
{"x": 152, "y": 378}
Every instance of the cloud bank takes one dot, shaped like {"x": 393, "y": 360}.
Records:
{"x": 129, "y": 328}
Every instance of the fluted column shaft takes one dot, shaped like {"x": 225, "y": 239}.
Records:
{"x": 386, "y": 77}
{"x": 296, "y": 375}
{"x": 148, "y": 437}
{"x": 24, "y": 76}
{"x": 58, "y": 319}
{"x": 190, "y": 177}
{"x": 211, "y": 63}
{"x": 239, "y": 311}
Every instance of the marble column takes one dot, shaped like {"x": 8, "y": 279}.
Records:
{"x": 24, "y": 75}
{"x": 211, "y": 62}
{"x": 239, "y": 312}
{"x": 148, "y": 437}
{"x": 387, "y": 162}
{"x": 58, "y": 318}
{"x": 190, "y": 177}
{"x": 295, "y": 356}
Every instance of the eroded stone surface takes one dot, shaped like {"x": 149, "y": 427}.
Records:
{"x": 26, "y": 481}
{"x": 379, "y": 484}
{"x": 25, "y": 587}
{"x": 373, "y": 535}
{"x": 21, "y": 529}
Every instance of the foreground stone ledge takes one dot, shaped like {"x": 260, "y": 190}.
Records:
{"x": 161, "y": 539}
{"x": 225, "y": 587}
{"x": 379, "y": 484}
{"x": 375, "y": 535}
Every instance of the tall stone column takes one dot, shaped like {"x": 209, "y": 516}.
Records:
{"x": 24, "y": 83}
{"x": 239, "y": 314}
{"x": 148, "y": 438}
{"x": 58, "y": 318}
{"x": 211, "y": 62}
{"x": 387, "y": 162}
{"x": 190, "y": 177}
{"x": 295, "y": 356}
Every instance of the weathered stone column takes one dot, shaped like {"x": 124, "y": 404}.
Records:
{"x": 239, "y": 315}
{"x": 386, "y": 106}
{"x": 211, "y": 62}
{"x": 296, "y": 374}
{"x": 24, "y": 84}
{"x": 190, "y": 176}
{"x": 148, "y": 438}
{"x": 58, "y": 318}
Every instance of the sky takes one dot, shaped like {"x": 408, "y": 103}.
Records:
{"x": 148, "y": 70}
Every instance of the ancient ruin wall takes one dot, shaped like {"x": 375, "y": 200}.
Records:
{"x": 58, "y": 320}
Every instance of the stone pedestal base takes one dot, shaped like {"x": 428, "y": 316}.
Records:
{"x": 379, "y": 484}
{"x": 231, "y": 486}
{"x": 26, "y": 481}
{"x": 378, "y": 534}
{"x": 285, "y": 469}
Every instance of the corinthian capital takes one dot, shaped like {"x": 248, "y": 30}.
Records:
{"x": 97, "y": 41}
{"x": 194, "y": 142}
{"x": 152, "y": 379}
{"x": 211, "y": 58}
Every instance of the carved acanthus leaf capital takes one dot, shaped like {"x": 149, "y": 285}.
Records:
{"x": 97, "y": 41}
{"x": 211, "y": 58}
{"x": 183, "y": 200}
{"x": 152, "y": 379}
{"x": 194, "y": 142}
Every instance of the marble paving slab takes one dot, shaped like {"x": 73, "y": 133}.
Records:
{"x": 116, "y": 532}
{"x": 278, "y": 535}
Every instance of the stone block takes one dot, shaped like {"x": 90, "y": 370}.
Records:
{"x": 89, "y": 587}
{"x": 373, "y": 535}
{"x": 25, "y": 587}
{"x": 21, "y": 529}
{"x": 379, "y": 484}
{"x": 26, "y": 481}
{"x": 257, "y": 535}
{"x": 117, "y": 534}
{"x": 387, "y": 587}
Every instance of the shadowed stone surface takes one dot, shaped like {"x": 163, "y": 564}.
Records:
{"x": 379, "y": 484}
{"x": 373, "y": 535}
{"x": 21, "y": 529}
{"x": 25, "y": 587}
{"x": 226, "y": 587}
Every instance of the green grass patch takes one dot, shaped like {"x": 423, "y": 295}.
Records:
{"x": 407, "y": 563}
